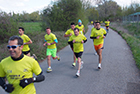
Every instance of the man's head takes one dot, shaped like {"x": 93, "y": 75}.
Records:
{"x": 48, "y": 30}
{"x": 94, "y": 24}
{"x": 21, "y": 30}
{"x": 79, "y": 22}
{"x": 76, "y": 31}
{"x": 98, "y": 25}
{"x": 15, "y": 45}
{"x": 72, "y": 26}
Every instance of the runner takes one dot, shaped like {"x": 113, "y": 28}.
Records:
{"x": 26, "y": 42}
{"x": 91, "y": 22}
{"x": 92, "y": 30}
{"x": 80, "y": 26}
{"x": 69, "y": 33}
{"x": 18, "y": 69}
{"x": 50, "y": 40}
{"x": 107, "y": 22}
{"x": 98, "y": 36}
{"x": 77, "y": 40}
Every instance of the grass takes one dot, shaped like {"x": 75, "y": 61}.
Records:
{"x": 134, "y": 44}
{"x": 31, "y": 26}
{"x": 33, "y": 30}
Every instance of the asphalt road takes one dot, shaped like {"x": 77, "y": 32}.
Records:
{"x": 119, "y": 74}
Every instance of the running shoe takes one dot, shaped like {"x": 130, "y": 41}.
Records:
{"x": 82, "y": 62}
{"x": 99, "y": 66}
{"x": 35, "y": 57}
{"x": 49, "y": 70}
{"x": 95, "y": 53}
{"x": 58, "y": 58}
{"x": 73, "y": 64}
{"x": 78, "y": 74}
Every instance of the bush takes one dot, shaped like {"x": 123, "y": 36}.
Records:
{"x": 8, "y": 27}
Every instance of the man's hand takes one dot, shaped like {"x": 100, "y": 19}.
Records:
{"x": 24, "y": 82}
{"x": 8, "y": 88}
{"x": 73, "y": 41}
{"x": 97, "y": 37}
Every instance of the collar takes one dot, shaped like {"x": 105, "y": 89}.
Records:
{"x": 16, "y": 59}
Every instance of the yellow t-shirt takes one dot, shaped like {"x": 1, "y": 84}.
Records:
{"x": 107, "y": 23}
{"x": 25, "y": 39}
{"x": 81, "y": 28}
{"x": 50, "y": 39}
{"x": 17, "y": 70}
{"x": 78, "y": 45}
{"x": 69, "y": 31}
{"x": 95, "y": 33}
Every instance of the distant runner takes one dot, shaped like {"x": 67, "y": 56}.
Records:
{"x": 98, "y": 36}
{"x": 50, "y": 41}
{"x": 77, "y": 40}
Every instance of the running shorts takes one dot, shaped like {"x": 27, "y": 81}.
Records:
{"x": 78, "y": 54}
{"x": 26, "y": 52}
{"x": 97, "y": 47}
{"x": 51, "y": 52}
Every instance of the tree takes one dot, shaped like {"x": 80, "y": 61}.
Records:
{"x": 62, "y": 13}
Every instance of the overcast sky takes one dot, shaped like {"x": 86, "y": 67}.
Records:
{"x": 29, "y": 6}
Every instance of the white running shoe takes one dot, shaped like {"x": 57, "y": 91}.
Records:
{"x": 95, "y": 53}
{"x": 99, "y": 66}
{"x": 78, "y": 74}
{"x": 82, "y": 62}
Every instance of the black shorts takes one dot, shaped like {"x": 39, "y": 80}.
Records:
{"x": 107, "y": 26}
{"x": 26, "y": 52}
{"x": 78, "y": 54}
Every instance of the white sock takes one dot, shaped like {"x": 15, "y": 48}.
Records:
{"x": 50, "y": 67}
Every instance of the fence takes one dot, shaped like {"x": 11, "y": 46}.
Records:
{"x": 132, "y": 18}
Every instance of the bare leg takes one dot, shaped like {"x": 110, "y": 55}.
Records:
{"x": 49, "y": 60}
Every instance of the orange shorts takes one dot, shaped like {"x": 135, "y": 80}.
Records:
{"x": 97, "y": 47}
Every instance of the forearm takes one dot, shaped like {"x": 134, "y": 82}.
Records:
{"x": 29, "y": 42}
{"x": 70, "y": 42}
{"x": 85, "y": 41}
{"x": 2, "y": 82}
{"x": 39, "y": 78}
{"x": 93, "y": 37}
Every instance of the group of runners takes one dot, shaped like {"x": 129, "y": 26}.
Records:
{"x": 19, "y": 67}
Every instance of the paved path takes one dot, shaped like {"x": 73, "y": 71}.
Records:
{"x": 119, "y": 74}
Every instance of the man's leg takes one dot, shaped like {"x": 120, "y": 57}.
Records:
{"x": 53, "y": 52}
{"x": 49, "y": 63}
{"x": 74, "y": 57}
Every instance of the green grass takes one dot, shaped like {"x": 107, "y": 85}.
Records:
{"x": 31, "y": 26}
{"x": 134, "y": 44}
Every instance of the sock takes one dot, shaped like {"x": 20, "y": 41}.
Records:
{"x": 50, "y": 67}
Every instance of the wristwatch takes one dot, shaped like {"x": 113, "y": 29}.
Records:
{"x": 34, "y": 78}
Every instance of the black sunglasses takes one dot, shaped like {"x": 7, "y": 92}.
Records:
{"x": 13, "y": 46}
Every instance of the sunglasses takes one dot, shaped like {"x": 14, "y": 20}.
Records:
{"x": 13, "y": 46}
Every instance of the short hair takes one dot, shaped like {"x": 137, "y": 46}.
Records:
{"x": 19, "y": 39}
{"x": 48, "y": 28}
{"x": 75, "y": 29}
{"x": 21, "y": 28}
{"x": 72, "y": 23}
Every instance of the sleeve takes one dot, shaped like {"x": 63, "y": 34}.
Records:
{"x": 27, "y": 38}
{"x": 36, "y": 68}
{"x": 104, "y": 32}
{"x": 92, "y": 34}
{"x": 2, "y": 73}
{"x": 67, "y": 32}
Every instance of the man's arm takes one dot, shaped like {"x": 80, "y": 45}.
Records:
{"x": 29, "y": 42}
{"x": 7, "y": 87}
{"x": 27, "y": 81}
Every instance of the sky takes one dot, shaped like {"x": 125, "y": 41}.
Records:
{"x": 29, "y": 6}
